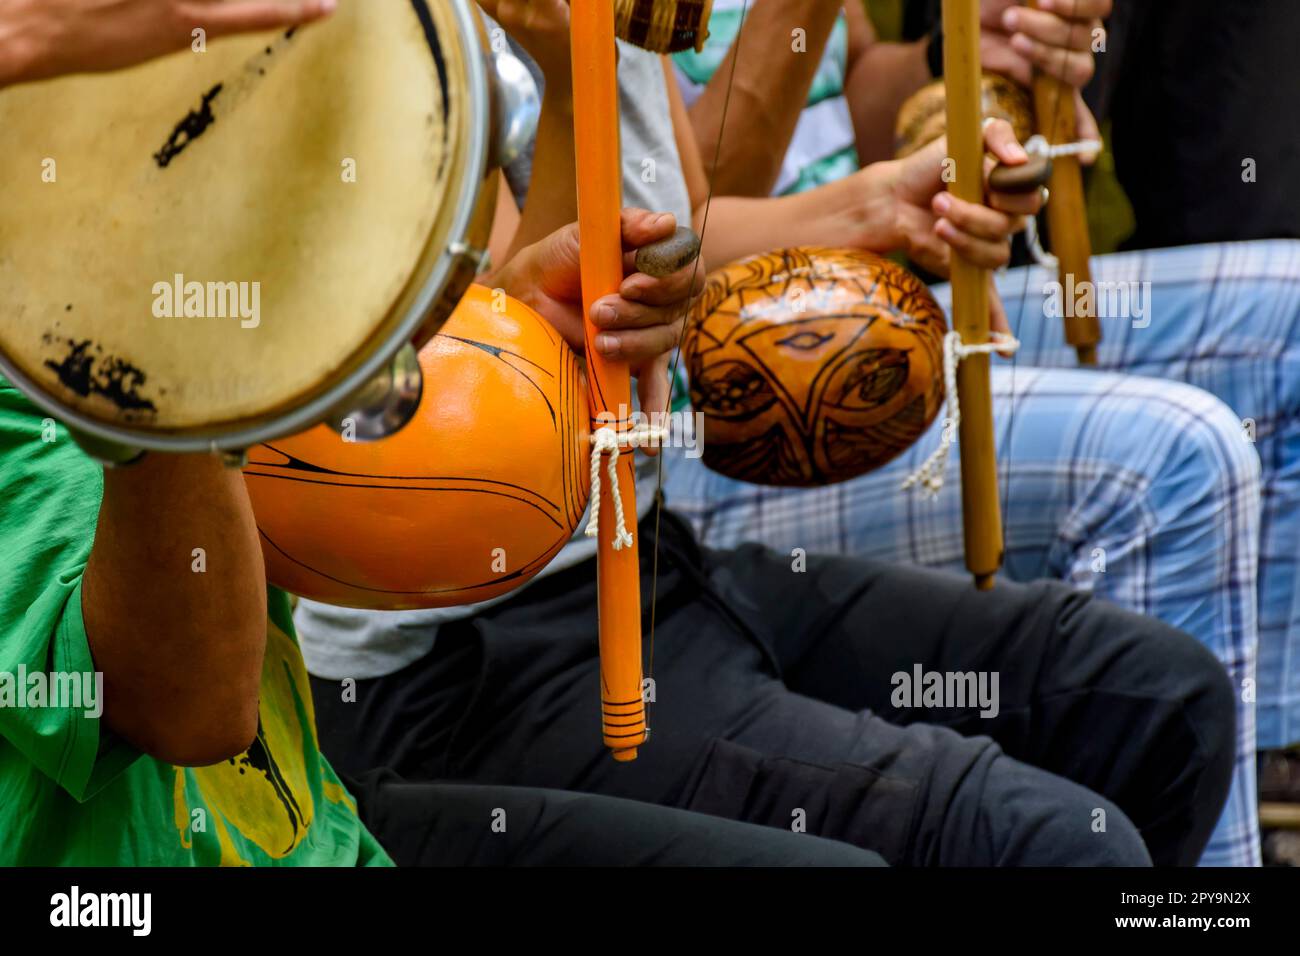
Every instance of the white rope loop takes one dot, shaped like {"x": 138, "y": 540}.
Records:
{"x": 930, "y": 475}
{"x": 606, "y": 440}
{"x": 1035, "y": 245}
{"x": 1040, "y": 146}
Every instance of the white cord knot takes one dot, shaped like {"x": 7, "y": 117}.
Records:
{"x": 608, "y": 440}
{"x": 1040, "y": 146}
{"x": 930, "y": 474}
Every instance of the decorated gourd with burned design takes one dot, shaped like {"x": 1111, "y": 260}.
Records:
{"x": 923, "y": 117}
{"x": 663, "y": 26}
{"x": 813, "y": 366}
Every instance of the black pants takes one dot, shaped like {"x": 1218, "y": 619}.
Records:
{"x": 776, "y": 702}
{"x": 449, "y": 824}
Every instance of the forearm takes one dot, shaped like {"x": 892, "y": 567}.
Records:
{"x": 40, "y": 39}
{"x": 17, "y": 45}
{"x": 881, "y": 79}
{"x": 769, "y": 90}
{"x": 854, "y": 212}
{"x": 180, "y": 643}
{"x": 552, "y": 200}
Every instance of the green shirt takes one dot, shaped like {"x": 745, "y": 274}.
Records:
{"x": 71, "y": 793}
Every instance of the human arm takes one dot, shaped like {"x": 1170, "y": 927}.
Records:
{"x": 642, "y": 323}
{"x": 888, "y": 207}
{"x": 1056, "y": 38}
{"x": 639, "y": 325}
{"x": 880, "y": 77}
{"x": 1014, "y": 40}
{"x": 44, "y": 38}
{"x": 892, "y": 206}
{"x": 99, "y": 577}
{"x": 181, "y": 644}
{"x": 180, "y": 649}
{"x": 764, "y": 95}
{"x": 542, "y": 28}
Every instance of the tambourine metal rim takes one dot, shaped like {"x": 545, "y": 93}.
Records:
{"x": 218, "y": 439}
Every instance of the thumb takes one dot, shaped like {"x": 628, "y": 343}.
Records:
{"x": 556, "y": 264}
{"x": 921, "y": 174}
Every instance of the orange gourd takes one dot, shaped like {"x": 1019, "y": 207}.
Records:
{"x": 467, "y": 502}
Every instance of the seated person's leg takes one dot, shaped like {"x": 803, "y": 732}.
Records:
{"x": 1120, "y": 703}
{"x": 1136, "y": 489}
{"x": 1225, "y": 318}
{"x": 730, "y": 738}
{"x": 431, "y": 824}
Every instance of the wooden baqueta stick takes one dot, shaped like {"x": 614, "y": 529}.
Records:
{"x": 981, "y": 510}
{"x": 1067, "y": 213}
{"x": 596, "y": 140}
